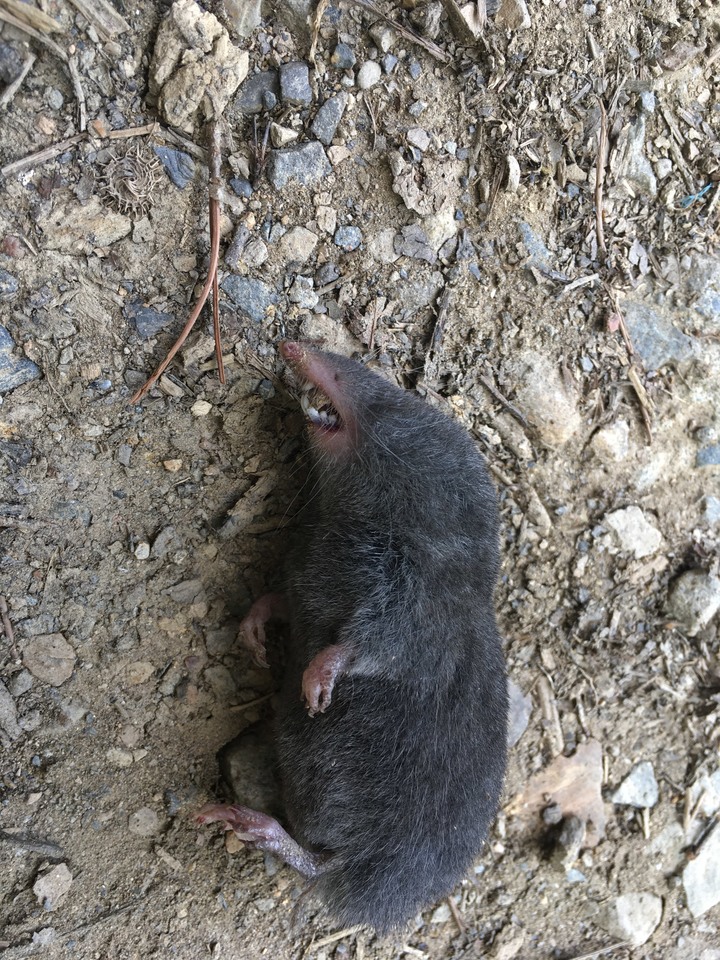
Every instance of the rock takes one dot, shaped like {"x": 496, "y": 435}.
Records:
{"x": 711, "y": 513}
{"x": 148, "y": 321}
{"x": 412, "y": 241}
{"x": 343, "y": 57}
{"x": 243, "y": 16}
{"x": 348, "y": 238}
{"x": 10, "y": 63}
{"x": 71, "y": 228}
{"x": 49, "y": 657}
{"x": 234, "y": 253}
{"x": 253, "y": 297}
{"x": 634, "y": 531}
{"x": 281, "y": 136}
{"x": 326, "y": 218}
{"x": 255, "y": 253}
{"x": 701, "y": 876}
{"x": 441, "y": 914}
{"x": 295, "y": 88}
{"x": 544, "y": 399}
{"x": 14, "y": 371}
{"x": 694, "y": 600}
{"x": 611, "y": 444}
{"x": 296, "y": 15}
{"x": 389, "y": 62}
{"x": 251, "y": 98}
{"x": 639, "y": 788}
{"x": 8, "y": 715}
{"x": 381, "y": 246}
{"x": 306, "y": 163}
{"x": 703, "y": 280}
{"x": 663, "y": 168}
{"x": 52, "y": 886}
{"x": 513, "y": 15}
{"x": 384, "y": 36}
{"x": 570, "y": 841}
{"x": 632, "y": 169}
{"x": 415, "y": 70}
{"x": 9, "y": 286}
{"x": 519, "y": 714}
{"x": 241, "y": 187}
{"x": 632, "y": 916}
{"x": 327, "y": 119}
{"x": 144, "y": 822}
{"x": 201, "y": 408}
{"x": 302, "y": 292}
{"x": 655, "y": 336}
{"x": 369, "y": 74}
{"x": 539, "y": 256}
{"x": 708, "y": 456}
{"x": 418, "y": 138}
{"x": 142, "y": 550}
{"x": 179, "y": 166}
{"x": 195, "y": 67}
{"x": 298, "y": 244}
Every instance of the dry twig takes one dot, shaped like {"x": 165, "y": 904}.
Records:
{"x": 317, "y": 19}
{"x": 600, "y": 178}
{"x": 12, "y": 88}
{"x": 432, "y": 48}
{"x": 7, "y": 627}
{"x": 210, "y": 282}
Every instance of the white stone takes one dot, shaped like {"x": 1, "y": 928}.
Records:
{"x": 368, "y": 74}
{"x": 701, "y": 877}
{"x": 52, "y": 886}
{"x": 632, "y": 916}
{"x": 611, "y": 444}
{"x": 634, "y": 531}
{"x": 298, "y": 244}
{"x": 639, "y": 788}
{"x": 201, "y": 408}
{"x": 513, "y": 15}
{"x": 544, "y": 399}
{"x": 142, "y": 550}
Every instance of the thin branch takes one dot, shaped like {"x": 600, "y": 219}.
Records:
{"x": 7, "y": 627}
{"x": 600, "y": 178}
{"x": 432, "y": 48}
{"x": 12, "y": 88}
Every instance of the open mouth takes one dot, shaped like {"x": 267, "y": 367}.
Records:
{"x": 318, "y": 409}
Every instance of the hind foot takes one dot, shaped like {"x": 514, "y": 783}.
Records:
{"x": 264, "y": 833}
{"x": 251, "y": 634}
{"x": 319, "y": 678}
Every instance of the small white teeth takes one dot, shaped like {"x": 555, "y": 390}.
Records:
{"x": 321, "y": 417}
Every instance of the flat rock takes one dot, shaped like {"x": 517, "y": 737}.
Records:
{"x": 611, "y": 444}
{"x": 639, "y": 788}
{"x": 179, "y": 166}
{"x": 513, "y": 15}
{"x": 305, "y": 163}
{"x": 72, "y": 228}
{"x": 9, "y": 286}
{"x": 147, "y": 320}
{"x": 519, "y": 713}
{"x": 298, "y": 244}
{"x": 8, "y": 714}
{"x": 544, "y": 399}
{"x": 327, "y": 119}
{"x": 632, "y": 916}
{"x": 14, "y": 370}
{"x": 295, "y": 88}
{"x": 52, "y": 886}
{"x": 348, "y": 238}
{"x": 49, "y": 657}
{"x": 635, "y": 533}
{"x": 711, "y": 510}
{"x": 701, "y": 876}
{"x": 633, "y": 171}
{"x": 694, "y": 600}
{"x": 252, "y": 96}
{"x": 253, "y": 297}
{"x": 413, "y": 242}
{"x": 369, "y": 74}
{"x": 655, "y": 336}
{"x": 144, "y": 822}
{"x": 195, "y": 67}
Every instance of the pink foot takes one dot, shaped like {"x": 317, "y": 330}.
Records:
{"x": 263, "y": 832}
{"x": 251, "y": 634}
{"x": 319, "y": 677}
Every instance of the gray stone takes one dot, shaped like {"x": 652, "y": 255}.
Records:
{"x": 369, "y": 74}
{"x": 701, "y": 877}
{"x": 234, "y": 253}
{"x": 10, "y": 63}
{"x": 179, "y": 166}
{"x": 539, "y": 256}
{"x": 8, "y": 715}
{"x": 54, "y": 99}
{"x": 519, "y": 713}
{"x": 52, "y": 886}
{"x": 298, "y": 244}
{"x": 302, "y": 292}
{"x": 295, "y": 14}
{"x": 544, "y": 398}
{"x": 243, "y": 16}
{"x": 305, "y": 163}
{"x": 389, "y": 62}
{"x": 240, "y": 186}
{"x": 343, "y": 57}
{"x": 281, "y": 136}
{"x": 419, "y": 138}
{"x": 253, "y": 297}
{"x": 9, "y": 286}
{"x": 327, "y": 119}
{"x": 384, "y": 36}
{"x": 634, "y": 532}
{"x": 694, "y": 599}
{"x": 415, "y": 70}
{"x": 144, "y": 822}
{"x": 412, "y": 241}
{"x": 639, "y": 788}
{"x": 703, "y": 279}
{"x": 632, "y": 916}
{"x": 50, "y": 658}
{"x": 654, "y": 335}
{"x": 255, "y": 87}
{"x": 14, "y": 371}
{"x": 295, "y": 86}
{"x": 708, "y": 456}
{"x": 147, "y": 320}
{"x": 255, "y": 253}
{"x": 348, "y": 238}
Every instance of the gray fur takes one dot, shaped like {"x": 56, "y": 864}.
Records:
{"x": 399, "y": 781}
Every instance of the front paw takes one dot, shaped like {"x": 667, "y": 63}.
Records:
{"x": 317, "y": 688}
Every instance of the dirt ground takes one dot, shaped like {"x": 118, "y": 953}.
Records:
{"x": 134, "y": 537}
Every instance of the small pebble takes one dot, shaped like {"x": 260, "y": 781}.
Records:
{"x": 348, "y": 238}
{"x": 54, "y": 99}
{"x": 295, "y": 86}
{"x": 389, "y": 62}
{"x": 179, "y": 166}
{"x": 142, "y": 551}
{"x": 416, "y": 108}
{"x": 415, "y": 70}
{"x": 52, "y": 886}
{"x": 639, "y": 788}
{"x": 343, "y": 57}
{"x": 368, "y": 74}
{"x": 201, "y": 408}
{"x": 144, "y": 822}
